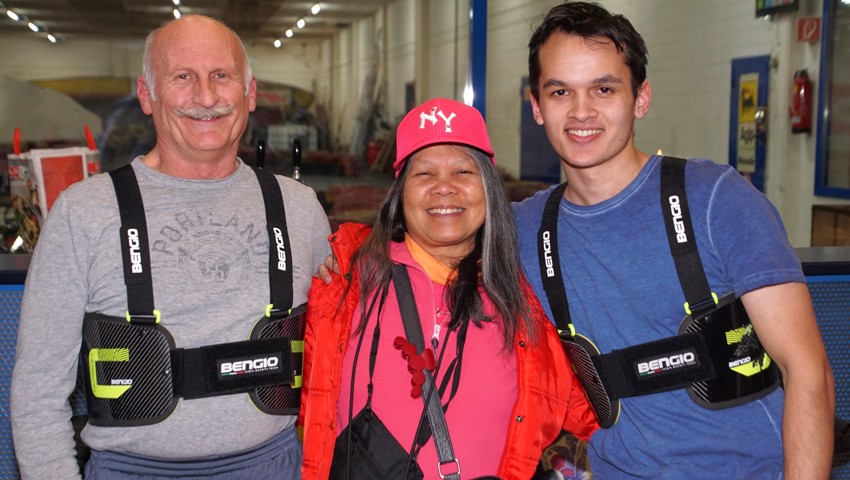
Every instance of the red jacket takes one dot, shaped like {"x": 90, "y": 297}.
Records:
{"x": 549, "y": 397}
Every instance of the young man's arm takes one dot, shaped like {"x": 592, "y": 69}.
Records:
{"x": 784, "y": 320}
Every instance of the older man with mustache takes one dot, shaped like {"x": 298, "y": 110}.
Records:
{"x": 179, "y": 280}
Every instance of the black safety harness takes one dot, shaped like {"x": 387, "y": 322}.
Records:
{"x": 134, "y": 373}
{"x": 716, "y": 356}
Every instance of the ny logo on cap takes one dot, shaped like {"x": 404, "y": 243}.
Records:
{"x": 432, "y": 117}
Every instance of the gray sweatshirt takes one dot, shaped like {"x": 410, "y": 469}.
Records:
{"x": 209, "y": 260}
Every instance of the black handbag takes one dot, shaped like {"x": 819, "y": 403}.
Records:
{"x": 371, "y": 452}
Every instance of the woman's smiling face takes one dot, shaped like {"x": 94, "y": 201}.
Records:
{"x": 444, "y": 201}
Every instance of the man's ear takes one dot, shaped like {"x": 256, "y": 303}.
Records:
{"x": 644, "y": 95}
{"x": 535, "y": 110}
{"x": 144, "y": 95}
{"x": 252, "y": 95}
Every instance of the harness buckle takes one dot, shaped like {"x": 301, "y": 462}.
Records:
{"x": 702, "y": 307}
{"x": 144, "y": 319}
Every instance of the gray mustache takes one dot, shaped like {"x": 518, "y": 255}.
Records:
{"x": 203, "y": 113}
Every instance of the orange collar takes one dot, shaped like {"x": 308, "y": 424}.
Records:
{"x": 438, "y": 272}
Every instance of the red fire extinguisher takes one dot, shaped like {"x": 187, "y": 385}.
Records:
{"x": 801, "y": 103}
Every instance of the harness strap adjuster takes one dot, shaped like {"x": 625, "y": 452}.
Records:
{"x": 702, "y": 307}
{"x": 144, "y": 319}
{"x": 567, "y": 335}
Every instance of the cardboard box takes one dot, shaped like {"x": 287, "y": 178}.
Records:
{"x": 36, "y": 178}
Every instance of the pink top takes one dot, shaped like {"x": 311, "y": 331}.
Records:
{"x": 479, "y": 414}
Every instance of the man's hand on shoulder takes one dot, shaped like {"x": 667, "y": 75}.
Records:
{"x": 326, "y": 271}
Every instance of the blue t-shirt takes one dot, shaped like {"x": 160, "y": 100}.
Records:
{"x": 623, "y": 290}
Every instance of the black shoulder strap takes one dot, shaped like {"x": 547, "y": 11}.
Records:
{"x": 681, "y": 237}
{"x": 135, "y": 251}
{"x": 280, "y": 251}
{"x": 550, "y": 262}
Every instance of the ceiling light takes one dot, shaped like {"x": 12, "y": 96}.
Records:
{"x": 289, "y": 33}
{"x": 176, "y": 2}
{"x": 301, "y": 23}
{"x": 315, "y": 9}
{"x": 30, "y": 22}
{"x": 276, "y": 43}
{"x": 176, "y": 13}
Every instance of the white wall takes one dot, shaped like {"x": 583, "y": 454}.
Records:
{"x": 30, "y": 58}
{"x": 401, "y": 56}
{"x": 296, "y": 64}
{"x": 426, "y": 42}
{"x": 448, "y": 49}
{"x": 510, "y": 26}
{"x": 33, "y": 58}
{"x": 791, "y": 158}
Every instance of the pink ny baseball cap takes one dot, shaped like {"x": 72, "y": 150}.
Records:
{"x": 440, "y": 121}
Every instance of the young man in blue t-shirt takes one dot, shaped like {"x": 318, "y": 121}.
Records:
{"x": 588, "y": 83}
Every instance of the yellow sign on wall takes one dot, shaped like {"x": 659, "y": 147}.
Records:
{"x": 747, "y": 105}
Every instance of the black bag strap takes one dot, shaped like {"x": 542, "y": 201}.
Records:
{"x": 373, "y": 349}
{"x": 413, "y": 331}
{"x": 373, "y": 353}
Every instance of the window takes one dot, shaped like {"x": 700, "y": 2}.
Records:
{"x": 832, "y": 171}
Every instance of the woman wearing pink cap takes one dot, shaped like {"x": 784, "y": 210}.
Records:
{"x": 433, "y": 295}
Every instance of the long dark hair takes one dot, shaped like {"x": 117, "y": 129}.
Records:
{"x": 592, "y": 22}
{"x": 492, "y": 264}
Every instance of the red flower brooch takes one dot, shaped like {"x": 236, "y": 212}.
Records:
{"x": 416, "y": 363}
